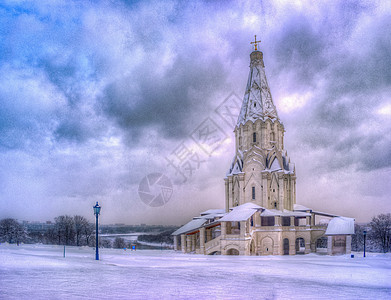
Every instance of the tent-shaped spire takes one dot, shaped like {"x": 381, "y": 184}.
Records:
{"x": 257, "y": 102}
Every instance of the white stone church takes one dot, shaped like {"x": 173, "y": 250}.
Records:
{"x": 261, "y": 216}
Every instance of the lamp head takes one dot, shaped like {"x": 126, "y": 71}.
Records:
{"x": 97, "y": 209}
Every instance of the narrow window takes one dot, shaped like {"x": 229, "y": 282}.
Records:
{"x": 254, "y": 137}
{"x": 253, "y": 192}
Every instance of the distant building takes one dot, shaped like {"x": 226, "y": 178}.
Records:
{"x": 37, "y": 227}
{"x": 261, "y": 216}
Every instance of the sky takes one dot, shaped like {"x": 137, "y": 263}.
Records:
{"x": 100, "y": 100}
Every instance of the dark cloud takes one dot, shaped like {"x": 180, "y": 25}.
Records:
{"x": 347, "y": 80}
{"x": 173, "y": 102}
{"x": 299, "y": 47}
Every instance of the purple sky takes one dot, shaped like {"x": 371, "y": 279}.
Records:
{"x": 96, "y": 95}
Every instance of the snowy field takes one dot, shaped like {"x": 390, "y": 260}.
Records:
{"x": 41, "y": 272}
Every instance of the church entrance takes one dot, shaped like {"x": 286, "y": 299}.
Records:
{"x": 321, "y": 245}
{"x": 233, "y": 251}
{"x": 285, "y": 244}
{"x": 300, "y": 246}
{"x": 339, "y": 245}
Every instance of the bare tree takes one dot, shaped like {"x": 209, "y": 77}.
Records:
{"x": 65, "y": 228}
{"x": 51, "y": 236}
{"x": 358, "y": 238}
{"x": 11, "y": 231}
{"x": 82, "y": 228}
{"x": 380, "y": 231}
{"x": 119, "y": 243}
{"x": 88, "y": 230}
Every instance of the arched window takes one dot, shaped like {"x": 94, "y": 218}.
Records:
{"x": 254, "y": 137}
{"x": 240, "y": 141}
{"x": 272, "y": 137}
{"x": 253, "y": 192}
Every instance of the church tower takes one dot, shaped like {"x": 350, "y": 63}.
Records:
{"x": 261, "y": 171}
{"x": 261, "y": 216}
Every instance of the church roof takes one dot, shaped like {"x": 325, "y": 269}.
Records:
{"x": 284, "y": 213}
{"x": 241, "y": 213}
{"x": 188, "y": 227}
{"x": 257, "y": 102}
{"x": 213, "y": 212}
{"x": 340, "y": 225}
{"x": 300, "y": 207}
{"x": 236, "y": 165}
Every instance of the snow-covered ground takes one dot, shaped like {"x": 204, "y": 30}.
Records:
{"x": 41, "y": 272}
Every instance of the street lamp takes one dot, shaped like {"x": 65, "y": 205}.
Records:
{"x": 365, "y": 236}
{"x": 96, "y": 213}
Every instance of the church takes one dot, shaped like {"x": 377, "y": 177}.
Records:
{"x": 261, "y": 216}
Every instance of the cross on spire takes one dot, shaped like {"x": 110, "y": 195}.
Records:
{"x": 255, "y": 43}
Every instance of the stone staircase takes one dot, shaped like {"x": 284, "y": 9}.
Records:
{"x": 213, "y": 246}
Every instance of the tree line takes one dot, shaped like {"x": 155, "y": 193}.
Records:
{"x": 69, "y": 230}
{"x": 378, "y": 235}
{"x": 78, "y": 231}
{"x": 66, "y": 230}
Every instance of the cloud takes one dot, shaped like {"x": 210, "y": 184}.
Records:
{"x": 347, "y": 80}
{"x": 93, "y": 96}
{"x": 169, "y": 101}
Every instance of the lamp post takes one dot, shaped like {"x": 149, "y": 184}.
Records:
{"x": 365, "y": 236}
{"x": 96, "y": 213}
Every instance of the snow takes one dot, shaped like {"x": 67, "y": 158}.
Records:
{"x": 192, "y": 225}
{"x": 285, "y": 213}
{"x": 40, "y": 272}
{"x": 157, "y": 245}
{"x": 340, "y": 225}
{"x": 300, "y": 207}
{"x": 213, "y": 211}
{"x": 275, "y": 165}
{"x": 241, "y": 213}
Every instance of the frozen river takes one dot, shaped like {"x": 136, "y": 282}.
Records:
{"x": 41, "y": 272}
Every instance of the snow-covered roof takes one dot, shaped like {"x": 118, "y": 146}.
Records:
{"x": 324, "y": 214}
{"x": 340, "y": 225}
{"x": 192, "y": 225}
{"x": 300, "y": 207}
{"x": 236, "y": 165}
{"x": 213, "y": 216}
{"x": 257, "y": 102}
{"x": 247, "y": 205}
{"x": 275, "y": 166}
{"x": 241, "y": 213}
{"x": 289, "y": 213}
{"x": 213, "y": 211}
{"x": 284, "y": 213}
